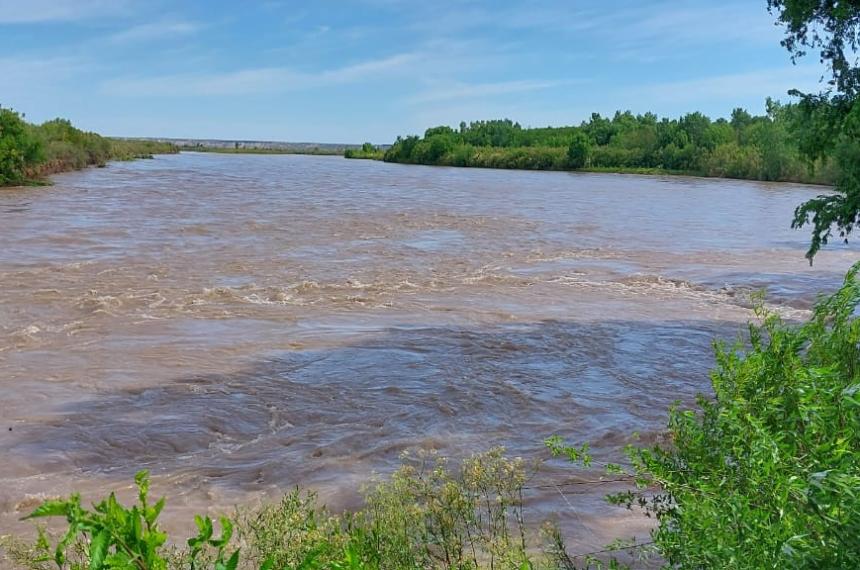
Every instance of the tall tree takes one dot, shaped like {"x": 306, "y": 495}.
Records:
{"x": 830, "y": 121}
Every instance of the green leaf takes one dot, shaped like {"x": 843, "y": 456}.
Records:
{"x": 153, "y": 512}
{"x": 119, "y": 561}
{"x": 226, "y": 533}
{"x": 51, "y": 508}
{"x": 60, "y": 552}
{"x": 98, "y": 549}
{"x": 233, "y": 561}
{"x": 141, "y": 479}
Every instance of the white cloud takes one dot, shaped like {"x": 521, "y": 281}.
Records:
{"x": 253, "y": 80}
{"x": 32, "y": 11}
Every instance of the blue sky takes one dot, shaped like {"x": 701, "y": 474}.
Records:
{"x": 350, "y": 71}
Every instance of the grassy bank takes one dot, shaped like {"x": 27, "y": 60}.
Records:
{"x": 745, "y": 146}
{"x": 764, "y": 473}
{"x": 29, "y": 153}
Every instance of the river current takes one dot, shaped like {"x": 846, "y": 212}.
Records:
{"x": 239, "y": 325}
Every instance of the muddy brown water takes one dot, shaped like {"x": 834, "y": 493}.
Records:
{"x": 239, "y": 325}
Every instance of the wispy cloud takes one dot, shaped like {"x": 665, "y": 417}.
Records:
{"x": 155, "y": 31}
{"x": 454, "y": 60}
{"x": 254, "y": 80}
{"x": 479, "y": 90}
{"x": 33, "y": 11}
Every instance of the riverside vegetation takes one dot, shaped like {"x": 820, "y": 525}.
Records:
{"x": 745, "y": 146}
{"x": 367, "y": 151}
{"x": 764, "y": 473}
{"x": 30, "y": 152}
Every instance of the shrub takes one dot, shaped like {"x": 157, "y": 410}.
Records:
{"x": 766, "y": 473}
{"x": 733, "y": 161}
{"x": 579, "y": 151}
{"x": 19, "y": 148}
{"x": 112, "y": 536}
{"x": 367, "y": 151}
{"x": 425, "y": 516}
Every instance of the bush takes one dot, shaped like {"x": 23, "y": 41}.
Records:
{"x": 425, "y": 516}
{"x": 367, "y": 151}
{"x": 578, "y": 152}
{"x": 733, "y": 161}
{"x": 116, "y": 537}
{"x": 19, "y": 148}
{"x": 766, "y": 474}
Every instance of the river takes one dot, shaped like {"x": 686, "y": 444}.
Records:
{"x": 242, "y": 324}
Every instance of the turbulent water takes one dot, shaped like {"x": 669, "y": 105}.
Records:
{"x": 242, "y": 324}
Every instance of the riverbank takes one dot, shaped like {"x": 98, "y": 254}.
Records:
{"x": 380, "y": 156}
{"x": 30, "y": 153}
{"x": 744, "y": 147}
{"x": 641, "y": 171}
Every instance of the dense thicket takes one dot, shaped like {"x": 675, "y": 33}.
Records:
{"x": 29, "y": 152}
{"x": 744, "y": 146}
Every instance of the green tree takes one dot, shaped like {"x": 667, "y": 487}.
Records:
{"x": 741, "y": 119}
{"x": 579, "y": 151}
{"x": 831, "y": 119}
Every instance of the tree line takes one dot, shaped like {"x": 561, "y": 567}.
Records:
{"x": 29, "y": 152}
{"x": 756, "y": 147}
